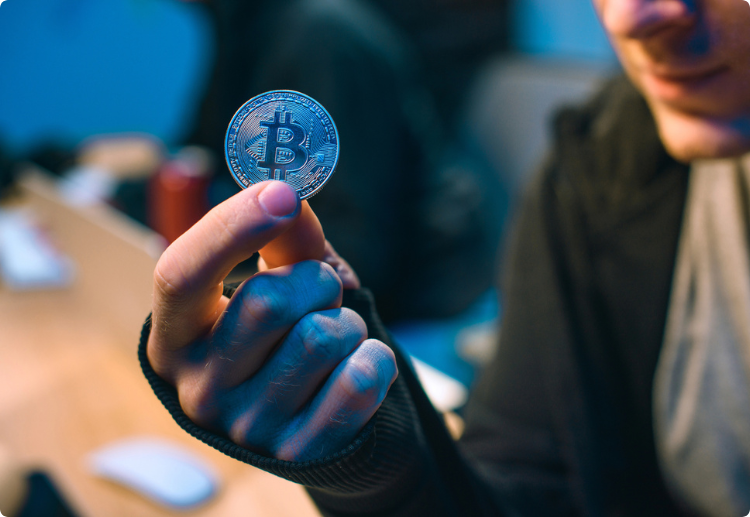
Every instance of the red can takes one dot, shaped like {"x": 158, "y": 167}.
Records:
{"x": 178, "y": 192}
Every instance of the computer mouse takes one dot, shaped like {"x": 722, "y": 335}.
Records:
{"x": 157, "y": 469}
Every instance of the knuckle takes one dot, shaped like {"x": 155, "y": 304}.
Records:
{"x": 354, "y": 323}
{"x": 328, "y": 271}
{"x": 361, "y": 381}
{"x": 169, "y": 279}
{"x": 290, "y": 450}
{"x": 379, "y": 349}
{"x": 384, "y": 357}
{"x": 321, "y": 281}
{"x": 283, "y": 295}
{"x": 331, "y": 334}
{"x": 200, "y": 403}
{"x": 369, "y": 373}
{"x": 242, "y": 431}
{"x": 161, "y": 361}
{"x": 320, "y": 337}
{"x": 265, "y": 302}
{"x": 331, "y": 277}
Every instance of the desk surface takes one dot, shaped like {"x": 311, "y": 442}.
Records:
{"x": 72, "y": 382}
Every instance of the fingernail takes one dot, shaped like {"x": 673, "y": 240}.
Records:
{"x": 278, "y": 199}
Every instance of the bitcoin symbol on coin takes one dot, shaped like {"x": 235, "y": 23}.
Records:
{"x": 280, "y": 158}
{"x": 282, "y": 135}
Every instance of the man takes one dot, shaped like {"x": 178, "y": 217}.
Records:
{"x": 615, "y": 391}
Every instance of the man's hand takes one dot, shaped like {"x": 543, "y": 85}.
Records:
{"x": 281, "y": 368}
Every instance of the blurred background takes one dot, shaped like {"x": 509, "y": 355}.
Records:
{"x": 64, "y": 63}
{"x": 112, "y": 121}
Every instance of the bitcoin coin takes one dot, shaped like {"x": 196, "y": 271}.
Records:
{"x": 283, "y": 135}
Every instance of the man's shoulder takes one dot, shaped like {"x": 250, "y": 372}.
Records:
{"x": 604, "y": 134}
{"x": 607, "y": 154}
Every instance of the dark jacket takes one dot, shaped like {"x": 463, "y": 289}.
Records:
{"x": 560, "y": 423}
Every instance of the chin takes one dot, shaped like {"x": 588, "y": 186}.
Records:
{"x": 689, "y": 137}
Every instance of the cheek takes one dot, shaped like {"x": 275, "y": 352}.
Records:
{"x": 599, "y": 7}
{"x": 737, "y": 39}
{"x": 731, "y": 15}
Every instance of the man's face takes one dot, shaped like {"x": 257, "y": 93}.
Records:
{"x": 691, "y": 61}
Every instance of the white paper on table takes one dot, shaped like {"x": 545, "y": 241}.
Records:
{"x": 27, "y": 258}
{"x": 445, "y": 392}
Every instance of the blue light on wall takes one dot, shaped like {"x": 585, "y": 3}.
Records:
{"x": 73, "y": 68}
{"x": 560, "y": 28}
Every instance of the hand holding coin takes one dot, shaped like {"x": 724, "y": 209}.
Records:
{"x": 287, "y": 136}
{"x": 280, "y": 368}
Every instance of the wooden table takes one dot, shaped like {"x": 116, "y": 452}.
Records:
{"x": 70, "y": 377}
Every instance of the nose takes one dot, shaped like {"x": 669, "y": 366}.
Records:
{"x": 641, "y": 19}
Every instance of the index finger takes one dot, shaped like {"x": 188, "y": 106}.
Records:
{"x": 188, "y": 278}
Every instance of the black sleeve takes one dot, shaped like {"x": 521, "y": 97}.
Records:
{"x": 6, "y": 169}
{"x": 403, "y": 463}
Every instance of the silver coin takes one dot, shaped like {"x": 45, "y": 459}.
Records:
{"x": 282, "y": 135}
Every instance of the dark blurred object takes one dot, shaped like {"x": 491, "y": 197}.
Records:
{"x": 178, "y": 192}
{"x": 6, "y": 171}
{"x": 410, "y": 206}
{"x": 454, "y": 38}
{"x": 130, "y": 197}
{"x": 53, "y": 157}
{"x": 49, "y": 155}
{"x": 43, "y": 499}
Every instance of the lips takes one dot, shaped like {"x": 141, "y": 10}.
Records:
{"x": 684, "y": 85}
{"x": 684, "y": 75}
